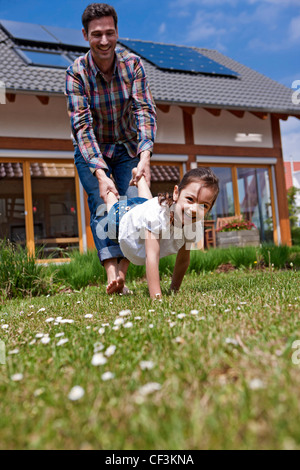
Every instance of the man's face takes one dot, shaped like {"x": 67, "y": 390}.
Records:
{"x": 102, "y": 36}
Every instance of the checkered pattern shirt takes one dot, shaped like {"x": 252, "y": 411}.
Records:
{"x": 105, "y": 114}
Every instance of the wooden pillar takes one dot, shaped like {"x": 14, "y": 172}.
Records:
{"x": 28, "y": 209}
{"x": 78, "y": 212}
{"x": 283, "y": 211}
{"x": 89, "y": 235}
{"x": 189, "y": 132}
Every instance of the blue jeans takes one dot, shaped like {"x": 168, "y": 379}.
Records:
{"x": 120, "y": 167}
{"x": 117, "y": 212}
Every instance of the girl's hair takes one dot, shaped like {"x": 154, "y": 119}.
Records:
{"x": 205, "y": 175}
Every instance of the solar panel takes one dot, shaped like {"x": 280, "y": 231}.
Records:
{"x": 27, "y": 32}
{"x": 68, "y": 36}
{"x": 44, "y": 59}
{"x": 177, "y": 58}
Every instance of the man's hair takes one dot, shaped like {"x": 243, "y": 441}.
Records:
{"x": 98, "y": 10}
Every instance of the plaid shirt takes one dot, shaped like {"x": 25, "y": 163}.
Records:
{"x": 105, "y": 114}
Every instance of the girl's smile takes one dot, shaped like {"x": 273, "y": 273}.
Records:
{"x": 193, "y": 202}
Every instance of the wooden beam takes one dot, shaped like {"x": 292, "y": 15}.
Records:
{"x": 165, "y": 108}
{"x": 188, "y": 109}
{"x": 214, "y": 111}
{"x": 283, "y": 117}
{"x": 11, "y": 97}
{"x": 43, "y": 99}
{"x": 188, "y": 128}
{"x": 28, "y": 209}
{"x": 283, "y": 210}
{"x": 79, "y": 220}
{"x": 215, "y": 150}
{"x": 30, "y": 143}
{"x": 188, "y": 133}
{"x": 259, "y": 115}
{"x": 237, "y": 113}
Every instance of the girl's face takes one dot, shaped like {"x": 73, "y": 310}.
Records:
{"x": 193, "y": 202}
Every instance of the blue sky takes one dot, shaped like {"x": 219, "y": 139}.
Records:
{"x": 262, "y": 34}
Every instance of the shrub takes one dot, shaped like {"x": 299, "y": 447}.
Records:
{"x": 19, "y": 274}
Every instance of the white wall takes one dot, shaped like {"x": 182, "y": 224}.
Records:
{"x": 28, "y": 117}
{"x": 229, "y": 130}
{"x": 170, "y": 128}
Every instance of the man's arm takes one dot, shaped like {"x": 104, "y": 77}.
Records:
{"x": 143, "y": 168}
{"x": 82, "y": 120}
{"x": 152, "y": 248}
{"x": 106, "y": 185}
{"x": 144, "y": 110}
{"x": 181, "y": 265}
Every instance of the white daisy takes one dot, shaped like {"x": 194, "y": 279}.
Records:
{"x": 62, "y": 341}
{"x": 107, "y": 376}
{"x": 98, "y": 360}
{"x": 76, "y": 393}
{"x": 110, "y": 351}
{"x": 17, "y": 377}
{"x": 124, "y": 313}
{"x": 146, "y": 365}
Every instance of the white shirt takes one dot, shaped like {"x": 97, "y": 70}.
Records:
{"x": 156, "y": 218}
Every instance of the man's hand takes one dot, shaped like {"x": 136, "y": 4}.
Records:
{"x": 143, "y": 168}
{"x": 106, "y": 185}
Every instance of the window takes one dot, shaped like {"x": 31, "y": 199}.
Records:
{"x": 12, "y": 212}
{"x": 44, "y": 58}
{"x": 255, "y": 199}
{"x": 224, "y": 205}
{"x": 54, "y": 209}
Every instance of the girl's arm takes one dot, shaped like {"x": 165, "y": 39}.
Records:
{"x": 180, "y": 268}
{"x": 152, "y": 248}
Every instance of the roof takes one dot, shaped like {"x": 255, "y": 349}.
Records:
{"x": 159, "y": 173}
{"x": 251, "y": 91}
{"x": 290, "y": 173}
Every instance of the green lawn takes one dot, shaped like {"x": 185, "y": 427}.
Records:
{"x": 218, "y": 370}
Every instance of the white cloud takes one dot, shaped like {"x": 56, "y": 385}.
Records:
{"x": 162, "y": 28}
{"x": 294, "y": 29}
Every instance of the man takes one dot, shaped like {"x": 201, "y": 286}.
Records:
{"x": 113, "y": 120}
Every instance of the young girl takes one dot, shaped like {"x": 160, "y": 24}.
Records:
{"x": 148, "y": 228}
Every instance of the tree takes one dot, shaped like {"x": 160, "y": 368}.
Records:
{"x": 294, "y": 210}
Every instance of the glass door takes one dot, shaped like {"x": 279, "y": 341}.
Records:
{"x": 255, "y": 199}
{"x": 12, "y": 210}
{"x": 54, "y": 209}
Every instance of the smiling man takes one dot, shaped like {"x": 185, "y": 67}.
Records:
{"x": 113, "y": 120}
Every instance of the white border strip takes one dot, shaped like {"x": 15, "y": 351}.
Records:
{"x": 36, "y": 154}
{"x": 231, "y": 160}
{"x": 169, "y": 158}
{"x": 70, "y": 155}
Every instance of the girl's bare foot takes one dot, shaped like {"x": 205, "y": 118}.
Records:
{"x": 116, "y": 286}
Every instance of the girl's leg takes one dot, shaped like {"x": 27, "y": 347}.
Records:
{"x": 111, "y": 200}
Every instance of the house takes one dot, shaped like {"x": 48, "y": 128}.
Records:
{"x": 212, "y": 111}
